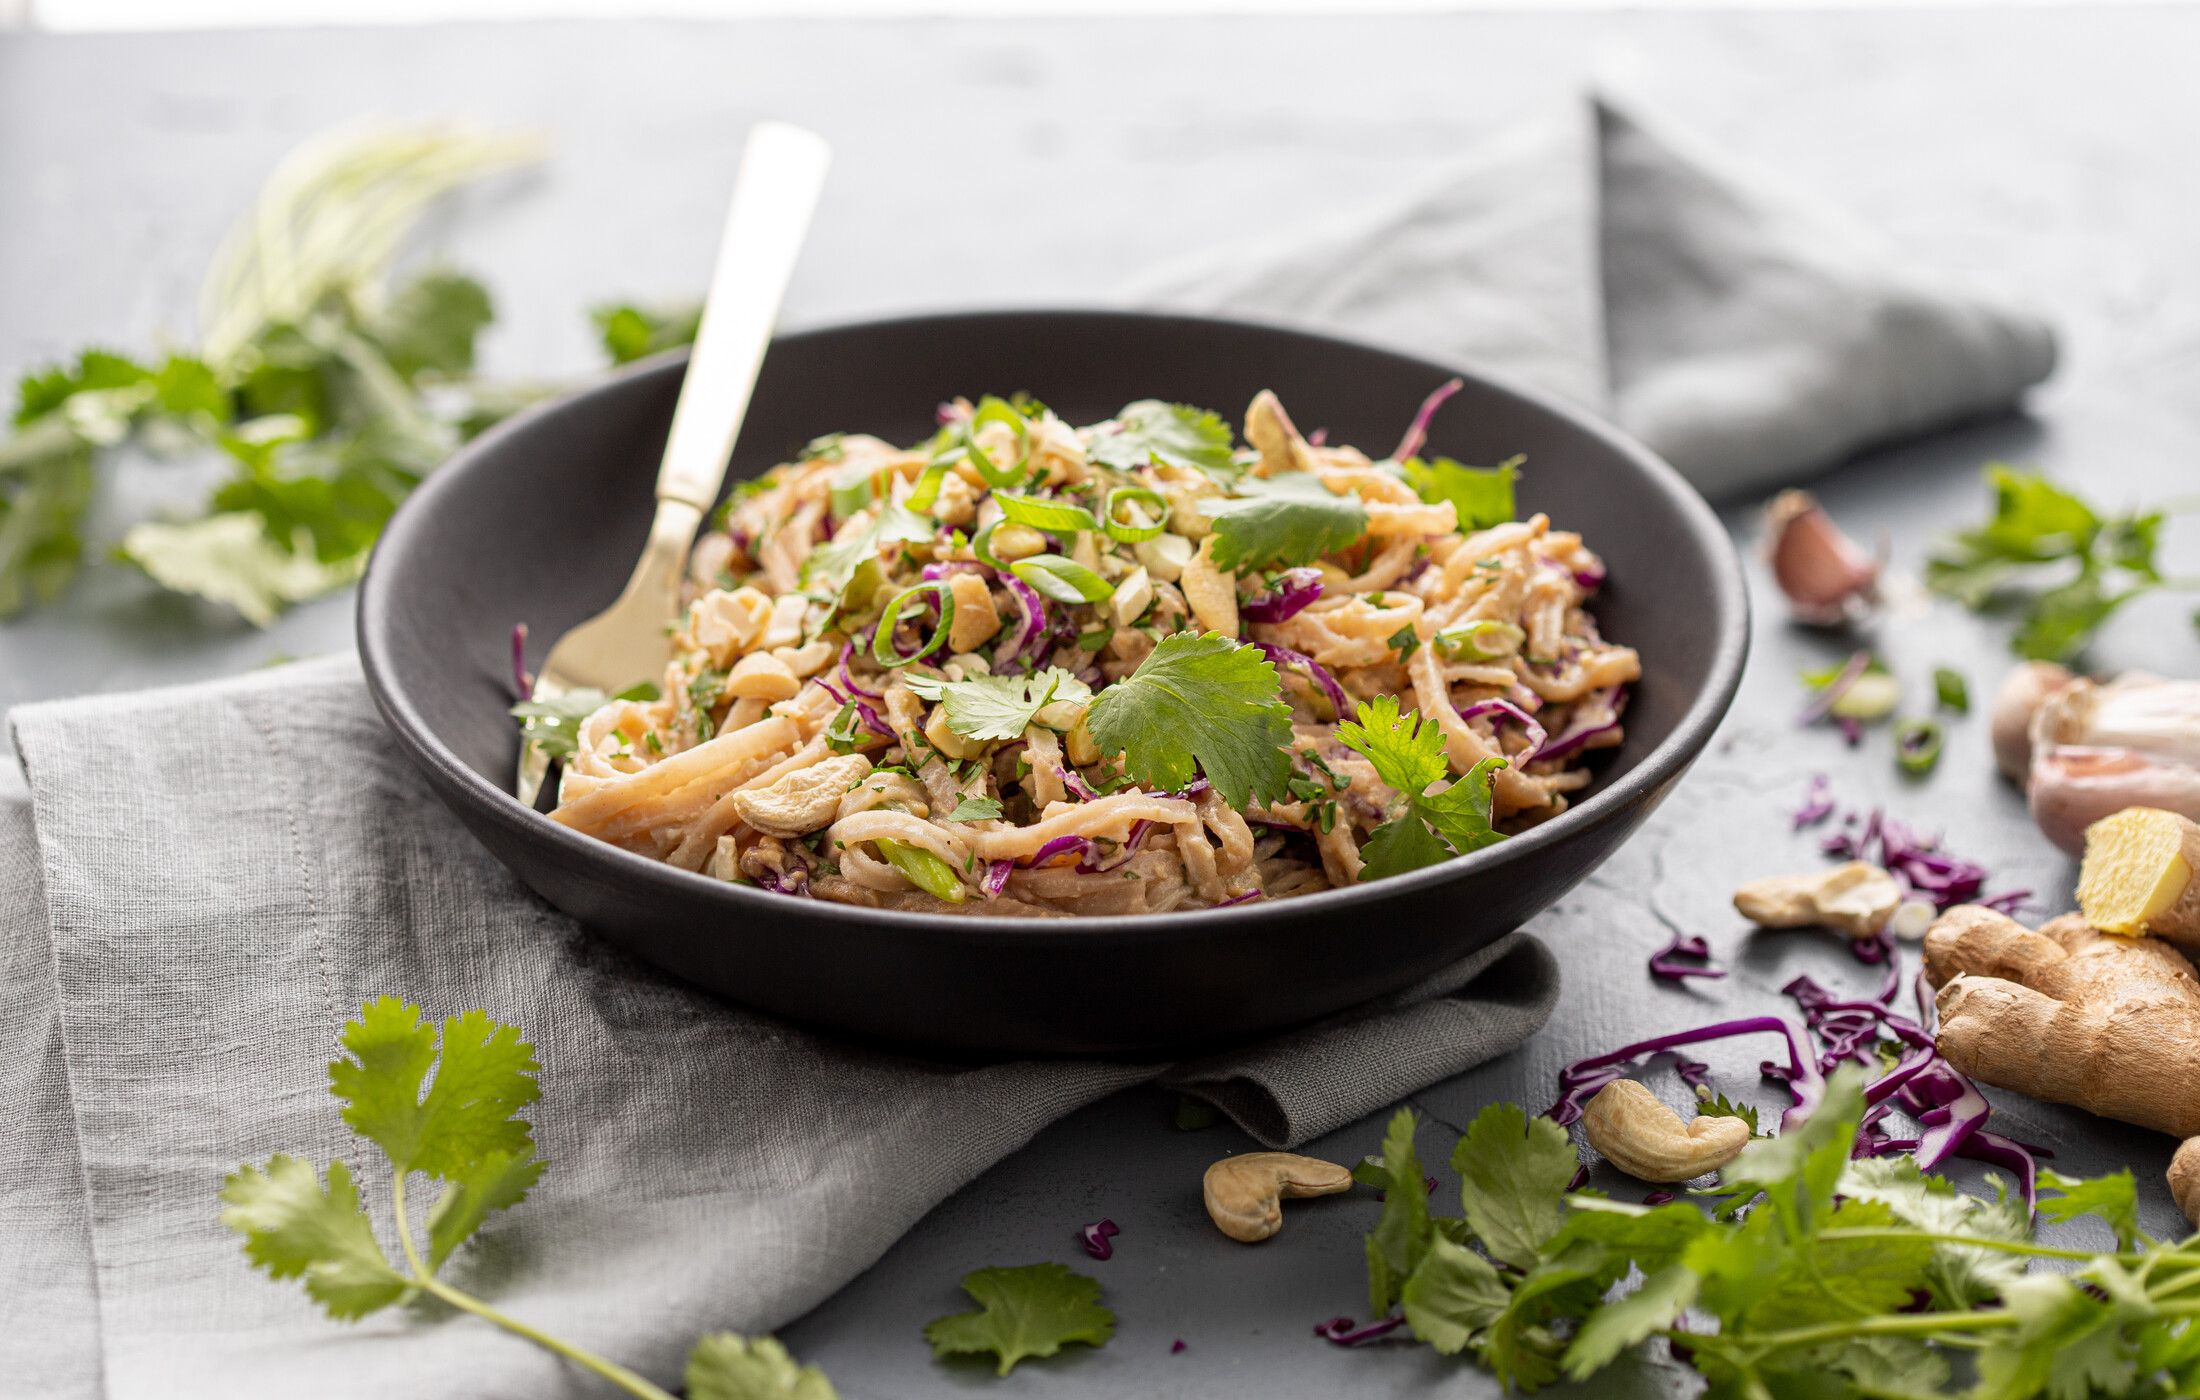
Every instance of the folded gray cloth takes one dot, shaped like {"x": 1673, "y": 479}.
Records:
{"x": 1744, "y": 331}
{"x": 204, "y": 883}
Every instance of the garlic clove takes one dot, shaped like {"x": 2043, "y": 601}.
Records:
{"x": 1824, "y": 574}
{"x": 2022, "y": 695}
{"x": 2074, "y": 786}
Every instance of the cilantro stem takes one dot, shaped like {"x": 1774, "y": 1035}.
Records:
{"x": 637, "y": 1386}
{"x": 1890, "y": 1326}
{"x": 2037, "y": 1251}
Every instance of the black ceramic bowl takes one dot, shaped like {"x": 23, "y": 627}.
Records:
{"x": 540, "y": 520}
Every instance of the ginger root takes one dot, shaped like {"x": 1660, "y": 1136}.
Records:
{"x": 2074, "y": 1016}
{"x": 2141, "y": 874}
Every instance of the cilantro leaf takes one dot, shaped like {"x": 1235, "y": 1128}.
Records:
{"x": 1033, "y": 1310}
{"x": 493, "y": 1182}
{"x": 2114, "y": 1198}
{"x": 831, "y": 565}
{"x": 1710, "y": 1105}
{"x": 294, "y": 1229}
{"x": 1396, "y": 1246}
{"x": 727, "y": 1367}
{"x": 484, "y": 1074}
{"x": 630, "y": 332}
{"x": 1199, "y": 702}
{"x": 430, "y": 325}
{"x": 1408, "y": 755}
{"x": 228, "y": 559}
{"x": 45, "y": 487}
{"x": 1174, "y": 434}
{"x": 1289, "y": 520}
{"x": 1000, "y": 707}
{"x": 1453, "y": 1294}
{"x": 553, "y": 724}
{"x": 1483, "y": 496}
{"x": 976, "y": 809}
{"x": 1627, "y": 1320}
{"x": 1958, "y": 1276}
{"x": 1513, "y": 1172}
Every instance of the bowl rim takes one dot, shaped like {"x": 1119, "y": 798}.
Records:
{"x": 1666, "y": 761}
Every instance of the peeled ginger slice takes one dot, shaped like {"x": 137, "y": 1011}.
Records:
{"x": 2137, "y": 876}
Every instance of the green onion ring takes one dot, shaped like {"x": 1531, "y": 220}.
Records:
{"x": 1133, "y": 534}
{"x": 882, "y": 641}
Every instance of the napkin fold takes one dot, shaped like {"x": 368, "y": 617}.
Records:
{"x": 1746, "y": 331}
{"x": 204, "y": 883}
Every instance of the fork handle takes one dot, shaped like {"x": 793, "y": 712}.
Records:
{"x": 782, "y": 171}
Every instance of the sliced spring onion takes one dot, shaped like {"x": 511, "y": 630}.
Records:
{"x": 1042, "y": 514}
{"x": 981, "y": 544}
{"x": 924, "y": 870}
{"x": 1917, "y": 744}
{"x": 926, "y": 492}
{"x": 1121, "y": 531}
{"x": 1953, "y": 692}
{"x": 1063, "y": 580}
{"x": 997, "y": 410}
{"x": 882, "y": 642}
{"x": 1478, "y": 641}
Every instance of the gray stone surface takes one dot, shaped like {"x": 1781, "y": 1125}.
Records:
{"x": 998, "y": 162}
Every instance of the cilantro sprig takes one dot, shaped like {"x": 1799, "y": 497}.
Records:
{"x": 1483, "y": 496}
{"x": 443, "y": 1104}
{"x": 1173, "y": 434}
{"x": 1819, "y": 1276}
{"x": 1199, "y": 702}
{"x": 2063, "y": 566}
{"x": 1408, "y": 754}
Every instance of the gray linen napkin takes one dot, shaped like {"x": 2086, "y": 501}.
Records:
{"x": 1747, "y": 332}
{"x": 205, "y": 882}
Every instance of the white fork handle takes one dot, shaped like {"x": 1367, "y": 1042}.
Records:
{"x": 782, "y": 171}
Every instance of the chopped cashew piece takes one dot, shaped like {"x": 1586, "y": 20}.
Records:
{"x": 805, "y": 800}
{"x": 1211, "y": 593}
{"x": 1637, "y": 1133}
{"x": 2138, "y": 875}
{"x": 2074, "y": 1016}
{"x": 761, "y": 676}
{"x": 727, "y": 624}
{"x": 1013, "y": 542}
{"x": 976, "y": 616}
{"x": 1270, "y": 430}
{"x": 1245, "y": 1193}
{"x": 948, "y": 742}
{"x": 1164, "y": 556}
{"x": 1132, "y": 597}
{"x": 1857, "y": 899}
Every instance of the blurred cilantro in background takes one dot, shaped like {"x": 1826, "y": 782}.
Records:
{"x": 328, "y": 387}
{"x": 2060, "y": 564}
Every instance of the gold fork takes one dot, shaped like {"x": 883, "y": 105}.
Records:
{"x": 782, "y": 172}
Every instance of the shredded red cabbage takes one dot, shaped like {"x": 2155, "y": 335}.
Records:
{"x": 1817, "y": 802}
{"x": 871, "y": 719}
{"x": 1917, "y": 861}
{"x": 1286, "y": 658}
{"x": 1176, "y": 1346}
{"x": 1030, "y": 634}
{"x": 996, "y": 878}
{"x": 1096, "y": 1237}
{"x": 1683, "y": 958}
{"x": 1589, "y": 580}
{"x": 522, "y": 680}
{"x": 1344, "y": 1332}
{"x": 1417, "y": 431}
{"x": 1538, "y": 736}
{"x": 1597, "y": 712}
{"x": 847, "y": 649}
{"x": 1060, "y": 845}
{"x": 1657, "y": 1198}
{"x": 1246, "y": 898}
{"x": 1295, "y": 588}
{"x": 1073, "y": 782}
{"x": 1579, "y": 1081}
{"x": 1694, "y": 1073}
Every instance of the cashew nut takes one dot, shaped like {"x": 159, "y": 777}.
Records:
{"x": 727, "y": 624}
{"x": 1245, "y": 1193}
{"x": 1637, "y": 1133}
{"x": 1857, "y": 899}
{"x": 1211, "y": 592}
{"x": 976, "y": 617}
{"x": 761, "y": 676}
{"x": 803, "y": 801}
